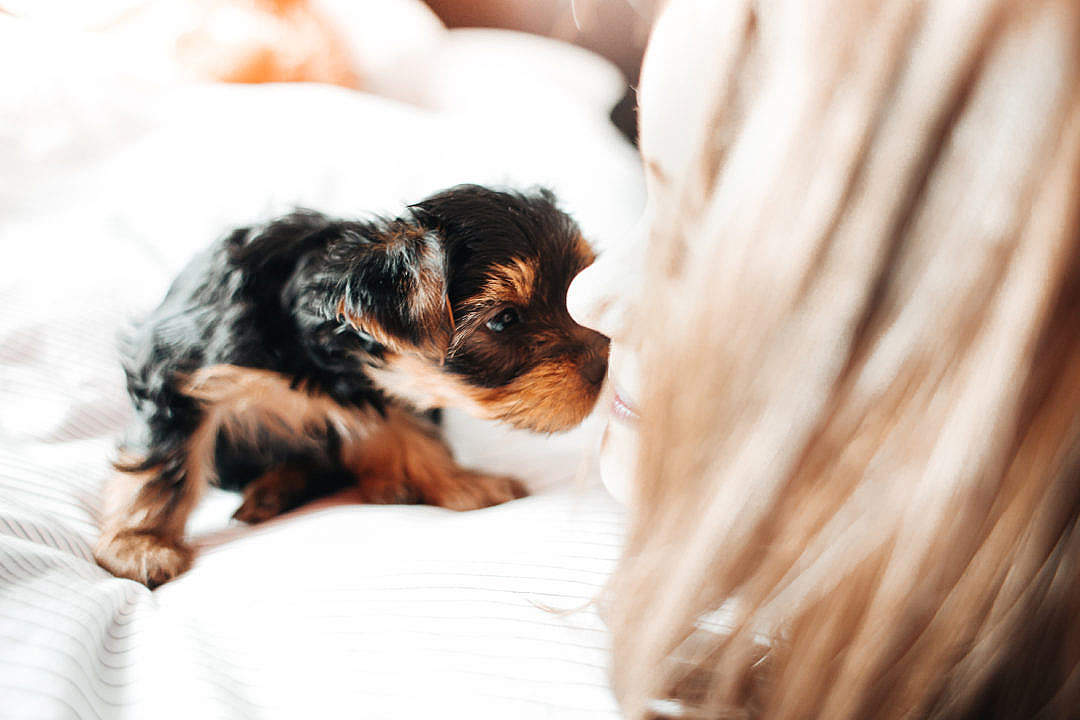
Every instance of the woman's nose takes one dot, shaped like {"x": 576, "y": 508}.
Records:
{"x": 592, "y": 300}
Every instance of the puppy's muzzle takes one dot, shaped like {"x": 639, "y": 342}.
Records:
{"x": 594, "y": 367}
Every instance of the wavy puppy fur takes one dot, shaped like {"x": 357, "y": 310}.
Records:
{"x": 289, "y": 361}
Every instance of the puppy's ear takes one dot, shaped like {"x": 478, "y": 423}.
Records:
{"x": 395, "y": 291}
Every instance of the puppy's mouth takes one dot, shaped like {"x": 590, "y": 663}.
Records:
{"x": 543, "y": 405}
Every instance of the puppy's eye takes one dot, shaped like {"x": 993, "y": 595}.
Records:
{"x": 503, "y": 320}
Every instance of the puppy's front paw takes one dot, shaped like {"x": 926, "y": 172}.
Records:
{"x": 470, "y": 490}
{"x": 143, "y": 557}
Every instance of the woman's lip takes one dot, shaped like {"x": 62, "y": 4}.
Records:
{"x": 623, "y": 410}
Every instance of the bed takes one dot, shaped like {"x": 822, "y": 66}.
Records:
{"x": 110, "y": 178}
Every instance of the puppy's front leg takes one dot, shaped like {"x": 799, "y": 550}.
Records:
{"x": 147, "y": 504}
{"x": 406, "y": 460}
{"x": 145, "y": 515}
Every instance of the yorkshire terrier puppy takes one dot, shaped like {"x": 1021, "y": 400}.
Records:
{"x": 292, "y": 359}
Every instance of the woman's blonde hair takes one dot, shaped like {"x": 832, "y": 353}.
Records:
{"x": 859, "y": 482}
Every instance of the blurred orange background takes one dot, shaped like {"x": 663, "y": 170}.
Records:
{"x": 343, "y": 42}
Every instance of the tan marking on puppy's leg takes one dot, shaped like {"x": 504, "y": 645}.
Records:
{"x": 396, "y": 459}
{"x": 147, "y": 511}
{"x": 143, "y": 537}
{"x": 406, "y": 461}
{"x": 245, "y": 401}
{"x": 142, "y": 533}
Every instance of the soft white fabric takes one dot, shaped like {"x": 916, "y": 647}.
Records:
{"x": 108, "y": 183}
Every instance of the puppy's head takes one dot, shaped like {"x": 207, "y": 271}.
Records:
{"x": 511, "y": 351}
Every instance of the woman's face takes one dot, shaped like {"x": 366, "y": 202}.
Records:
{"x": 599, "y": 298}
{"x": 673, "y": 123}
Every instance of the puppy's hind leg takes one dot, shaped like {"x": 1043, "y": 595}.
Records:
{"x": 405, "y": 460}
{"x": 287, "y": 487}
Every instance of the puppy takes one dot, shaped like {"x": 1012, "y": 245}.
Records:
{"x": 290, "y": 360}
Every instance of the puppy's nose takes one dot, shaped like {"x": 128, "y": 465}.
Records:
{"x": 594, "y": 369}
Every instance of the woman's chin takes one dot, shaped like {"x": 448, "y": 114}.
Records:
{"x": 618, "y": 455}
{"x": 619, "y": 444}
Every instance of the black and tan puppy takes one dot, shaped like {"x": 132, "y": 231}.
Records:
{"x": 289, "y": 360}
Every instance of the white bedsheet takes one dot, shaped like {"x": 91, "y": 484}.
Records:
{"x": 107, "y": 185}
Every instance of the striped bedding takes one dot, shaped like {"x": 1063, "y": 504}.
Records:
{"x": 338, "y": 609}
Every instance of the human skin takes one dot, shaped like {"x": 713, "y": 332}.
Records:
{"x": 598, "y": 298}
{"x": 601, "y": 297}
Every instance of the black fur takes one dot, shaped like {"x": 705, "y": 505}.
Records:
{"x": 528, "y": 227}
{"x": 269, "y": 297}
